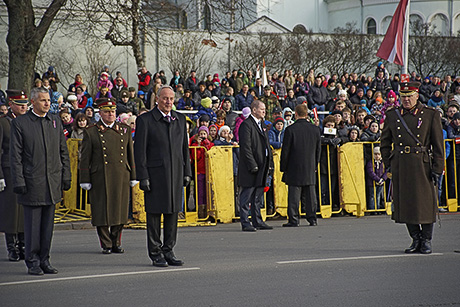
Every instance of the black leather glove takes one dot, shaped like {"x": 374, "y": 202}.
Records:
{"x": 335, "y": 141}
{"x": 144, "y": 185}
{"x": 254, "y": 170}
{"x": 435, "y": 177}
{"x": 66, "y": 184}
{"x": 187, "y": 180}
{"x": 20, "y": 190}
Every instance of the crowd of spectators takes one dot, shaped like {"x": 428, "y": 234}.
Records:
{"x": 346, "y": 108}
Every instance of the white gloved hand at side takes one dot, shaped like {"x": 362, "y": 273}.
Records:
{"x": 133, "y": 183}
{"x": 86, "y": 186}
{"x": 2, "y": 185}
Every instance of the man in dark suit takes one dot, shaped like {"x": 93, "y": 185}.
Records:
{"x": 163, "y": 169}
{"x": 40, "y": 168}
{"x": 254, "y": 165}
{"x": 299, "y": 160}
{"x": 11, "y": 213}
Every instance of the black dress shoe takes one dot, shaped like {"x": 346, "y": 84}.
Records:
{"x": 48, "y": 269}
{"x": 414, "y": 247}
{"x": 13, "y": 256}
{"x": 160, "y": 262}
{"x": 117, "y": 250}
{"x": 106, "y": 251}
{"x": 264, "y": 227}
{"x": 425, "y": 246}
{"x": 35, "y": 270}
{"x": 249, "y": 228}
{"x": 313, "y": 223}
{"x": 290, "y": 225}
{"x": 174, "y": 261}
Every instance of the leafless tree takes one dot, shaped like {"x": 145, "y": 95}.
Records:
{"x": 188, "y": 51}
{"x": 430, "y": 53}
{"x": 250, "y": 49}
{"x": 25, "y": 36}
{"x": 350, "y": 51}
{"x": 305, "y": 51}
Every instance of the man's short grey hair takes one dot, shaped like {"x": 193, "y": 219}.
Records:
{"x": 255, "y": 104}
{"x": 37, "y": 90}
{"x": 162, "y": 88}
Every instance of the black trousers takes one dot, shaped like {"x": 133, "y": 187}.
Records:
{"x": 38, "y": 232}
{"x": 109, "y": 236}
{"x": 154, "y": 245}
{"x": 253, "y": 196}
{"x": 307, "y": 197}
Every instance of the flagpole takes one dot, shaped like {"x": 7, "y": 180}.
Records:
{"x": 406, "y": 40}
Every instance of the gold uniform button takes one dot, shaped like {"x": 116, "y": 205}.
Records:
{"x": 102, "y": 135}
{"x": 121, "y": 161}
{"x": 399, "y": 128}
{"x": 402, "y": 151}
{"x": 122, "y": 147}
{"x": 122, "y": 154}
{"x": 121, "y": 140}
{"x": 400, "y": 144}
{"x": 103, "y": 148}
{"x": 106, "y": 162}
{"x": 399, "y": 136}
{"x": 103, "y": 142}
{"x": 418, "y": 135}
{"x": 105, "y": 156}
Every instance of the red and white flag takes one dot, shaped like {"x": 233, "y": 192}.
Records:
{"x": 391, "y": 48}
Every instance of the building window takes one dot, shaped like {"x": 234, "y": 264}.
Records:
{"x": 184, "y": 22}
{"x": 207, "y": 18}
{"x": 441, "y": 24}
{"x": 371, "y": 26}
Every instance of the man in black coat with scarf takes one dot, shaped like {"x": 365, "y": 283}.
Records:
{"x": 254, "y": 166}
{"x": 163, "y": 168}
{"x": 299, "y": 161}
{"x": 40, "y": 168}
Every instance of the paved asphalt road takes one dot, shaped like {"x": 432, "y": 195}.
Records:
{"x": 344, "y": 261}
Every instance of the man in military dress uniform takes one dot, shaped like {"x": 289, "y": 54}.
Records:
{"x": 107, "y": 171}
{"x": 40, "y": 170}
{"x": 11, "y": 214}
{"x": 416, "y": 162}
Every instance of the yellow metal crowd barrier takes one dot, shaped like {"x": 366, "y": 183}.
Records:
{"x": 222, "y": 191}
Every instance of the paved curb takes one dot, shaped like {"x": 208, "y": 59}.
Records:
{"x": 74, "y": 226}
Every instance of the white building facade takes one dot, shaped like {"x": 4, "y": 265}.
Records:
{"x": 370, "y": 16}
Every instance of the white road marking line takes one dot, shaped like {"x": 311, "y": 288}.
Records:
{"x": 94, "y": 276}
{"x": 356, "y": 258}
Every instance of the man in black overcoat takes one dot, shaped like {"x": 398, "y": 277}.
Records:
{"x": 163, "y": 168}
{"x": 254, "y": 166}
{"x": 11, "y": 213}
{"x": 300, "y": 156}
{"x": 40, "y": 168}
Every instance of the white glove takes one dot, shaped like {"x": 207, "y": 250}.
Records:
{"x": 2, "y": 185}
{"x": 381, "y": 181}
{"x": 86, "y": 186}
{"x": 133, "y": 183}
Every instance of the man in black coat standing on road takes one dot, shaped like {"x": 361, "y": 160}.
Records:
{"x": 40, "y": 168}
{"x": 254, "y": 165}
{"x": 163, "y": 168}
{"x": 299, "y": 161}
